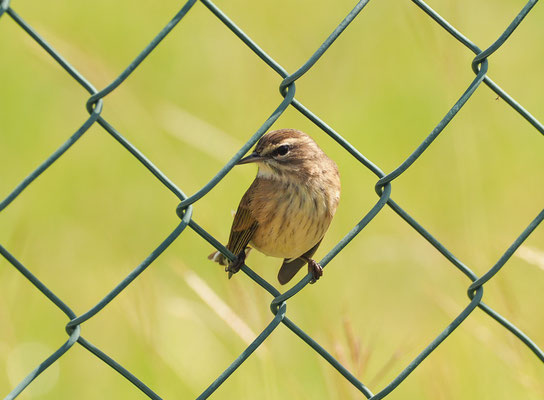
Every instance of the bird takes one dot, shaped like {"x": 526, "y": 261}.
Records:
{"x": 288, "y": 207}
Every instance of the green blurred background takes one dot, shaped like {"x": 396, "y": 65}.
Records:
{"x": 389, "y": 79}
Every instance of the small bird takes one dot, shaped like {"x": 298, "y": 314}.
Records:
{"x": 288, "y": 207}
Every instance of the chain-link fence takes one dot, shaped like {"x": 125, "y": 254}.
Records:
{"x": 185, "y": 208}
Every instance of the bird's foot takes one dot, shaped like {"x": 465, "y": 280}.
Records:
{"x": 235, "y": 266}
{"x": 315, "y": 269}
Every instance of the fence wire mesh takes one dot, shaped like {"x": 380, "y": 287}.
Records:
{"x": 185, "y": 209}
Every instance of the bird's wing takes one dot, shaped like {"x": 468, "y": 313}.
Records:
{"x": 243, "y": 227}
{"x": 290, "y": 266}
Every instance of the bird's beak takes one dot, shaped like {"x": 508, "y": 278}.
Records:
{"x": 253, "y": 157}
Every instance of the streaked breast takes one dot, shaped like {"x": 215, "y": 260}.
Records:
{"x": 292, "y": 219}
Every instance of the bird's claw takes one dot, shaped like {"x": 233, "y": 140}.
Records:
{"x": 315, "y": 269}
{"x": 235, "y": 266}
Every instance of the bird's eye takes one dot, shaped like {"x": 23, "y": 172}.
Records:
{"x": 282, "y": 150}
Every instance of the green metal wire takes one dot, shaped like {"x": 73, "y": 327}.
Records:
{"x": 278, "y": 304}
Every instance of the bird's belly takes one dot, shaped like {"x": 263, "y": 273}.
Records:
{"x": 293, "y": 230}
{"x": 282, "y": 246}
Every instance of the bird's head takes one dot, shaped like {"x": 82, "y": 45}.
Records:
{"x": 286, "y": 154}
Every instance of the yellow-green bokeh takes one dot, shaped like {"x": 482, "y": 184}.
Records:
{"x": 92, "y": 217}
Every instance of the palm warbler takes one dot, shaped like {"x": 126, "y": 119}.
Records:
{"x": 288, "y": 207}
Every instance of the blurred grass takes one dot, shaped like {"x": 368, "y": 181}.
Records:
{"x": 96, "y": 213}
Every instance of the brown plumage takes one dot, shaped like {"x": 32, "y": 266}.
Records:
{"x": 288, "y": 207}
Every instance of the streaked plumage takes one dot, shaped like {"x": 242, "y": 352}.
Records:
{"x": 290, "y": 204}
